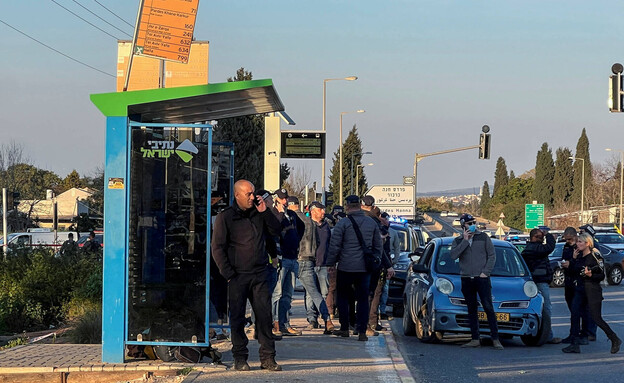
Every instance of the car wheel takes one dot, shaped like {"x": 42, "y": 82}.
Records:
{"x": 558, "y": 278}
{"x": 615, "y": 275}
{"x": 542, "y": 334}
{"x": 424, "y": 331}
{"x": 397, "y": 310}
{"x": 409, "y": 328}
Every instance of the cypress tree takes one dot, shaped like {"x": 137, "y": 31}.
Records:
{"x": 564, "y": 173}
{"x": 352, "y": 146}
{"x": 544, "y": 174}
{"x": 512, "y": 175}
{"x": 485, "y": 195}
{"x": 501, "y": 178}
{"x": 245, "y": 132}
{"x": 582, "y": 151}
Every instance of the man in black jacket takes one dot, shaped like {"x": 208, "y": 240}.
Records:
{"x": 535, "y": 255}
{"x": 238, "y": 248}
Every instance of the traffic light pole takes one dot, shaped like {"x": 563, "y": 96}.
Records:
{"x": 418, "y": 157}
{"x": 4, "y": 222}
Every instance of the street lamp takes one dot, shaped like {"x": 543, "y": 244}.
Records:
{"x": 621, "y": 179}
{"x": 352, "y": 155}
{"x": 350, "y": 78}
{"x": 357, "y": 176}
{"x": 582, "y": 186}
{"x": 342, "y": 114}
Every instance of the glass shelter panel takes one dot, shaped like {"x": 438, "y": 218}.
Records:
{"x": 168, "y": 234}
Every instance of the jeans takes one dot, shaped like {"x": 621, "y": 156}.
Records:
{"x": 346, "y": 284}
{"x": 384, "y": 297}
{"x": 547, "y": 314}
{"x": 314, "y": 299}
{"x": 470, "y": 287}
{"x": 253, "y": 287}
{"x": 284, "y": 289}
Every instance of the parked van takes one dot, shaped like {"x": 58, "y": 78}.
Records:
{"x": 39, "y": 237}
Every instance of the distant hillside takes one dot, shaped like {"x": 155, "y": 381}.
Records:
{"x": 451, "y": 193}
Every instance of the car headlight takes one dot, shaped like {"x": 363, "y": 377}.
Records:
{"x": 445, "y": 286}
{"x": 530, "y": 289}
{"x": 400, "y": 266}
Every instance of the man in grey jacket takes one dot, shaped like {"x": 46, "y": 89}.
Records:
{"x": 476, "y": 260}
{"x": 346, "y": 250}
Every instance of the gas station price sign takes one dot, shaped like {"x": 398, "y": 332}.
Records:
{"x": 299, "y": 144}
{"x": 165, "y": 30}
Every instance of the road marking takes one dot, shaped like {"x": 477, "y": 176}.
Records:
{"x": 397, "y": 359}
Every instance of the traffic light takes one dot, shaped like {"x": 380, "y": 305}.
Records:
{"x": 484, "y": 146}
{"x": 615, "y": 88}
{"x": 16, "y": 199}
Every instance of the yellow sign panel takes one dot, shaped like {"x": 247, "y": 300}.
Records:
{"x": 166, "y": 29}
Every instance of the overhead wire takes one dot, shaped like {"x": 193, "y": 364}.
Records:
{"x": 98, "y": 16}
{"x": 85, "y": 20}
{"x": 55, "y": 50}
{"x": 113, "y": 13}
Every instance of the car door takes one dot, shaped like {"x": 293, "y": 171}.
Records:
{"x": 421, "y": 282}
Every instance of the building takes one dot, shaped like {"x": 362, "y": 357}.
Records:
{"x": 69, "y": 204}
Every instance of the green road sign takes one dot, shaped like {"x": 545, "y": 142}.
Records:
{"x": 533, "y": 215}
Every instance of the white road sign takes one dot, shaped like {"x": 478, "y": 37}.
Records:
{"x": 399, "y": 211}
{"x": 395, "y": 195}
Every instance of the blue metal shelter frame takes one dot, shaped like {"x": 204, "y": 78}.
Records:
{"x": 167, "y": 107}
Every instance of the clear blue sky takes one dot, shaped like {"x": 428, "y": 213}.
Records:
{"x": 431, "y": 73}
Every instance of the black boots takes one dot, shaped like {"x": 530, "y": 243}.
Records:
{"x": 615, "y": 343}
{"x": 573, "y": 348}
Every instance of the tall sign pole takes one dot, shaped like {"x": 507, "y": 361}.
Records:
{"x": 4, "y": 222}
{"x": 134, "y": 40}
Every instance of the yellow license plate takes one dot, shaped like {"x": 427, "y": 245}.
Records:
{"x": 500, "y": 317}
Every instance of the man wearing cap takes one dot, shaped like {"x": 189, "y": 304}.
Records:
{"x": 476, "y": 260}
{"x": 314, "y": 301}
{"x": 326, "y": 278}
{"x": 238, "y": 248}
{"x": 346, "y": 250}
{"x": 290, "y": 236}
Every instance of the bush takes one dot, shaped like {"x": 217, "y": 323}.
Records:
{"x": 37, "y": 288}
{"x": 88, "y": 329}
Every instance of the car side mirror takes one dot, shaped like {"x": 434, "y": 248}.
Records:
{"x": 415, "y": 256}
{"x": 428, "y": 239}
{"x": 419, "y": 268}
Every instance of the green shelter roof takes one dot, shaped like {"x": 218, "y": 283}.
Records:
{"x": 195, "y": 103}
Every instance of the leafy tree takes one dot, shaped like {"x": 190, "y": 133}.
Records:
{"x": 96, "y": 200}
{"x": 510, "y": 200}
{"x": 351, "y": 146}
{"x": 501, "y": 178}
{"x": 512, "y": 175}
{"x": 582, "y": 151}
{"x": 485, "y": 196}
{"x": 562, "y": 180}
{"x": 247, "y": 134}
{"x": 72, "y": 180}
{"x": 544, "y": 175}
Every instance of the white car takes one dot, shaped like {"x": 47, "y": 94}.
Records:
{"x": 452, "y": 214}
{"x": 444, "y": 214}
{"x": 456, "y": 222}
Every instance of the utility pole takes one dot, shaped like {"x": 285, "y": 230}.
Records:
{"x": 5, "y": 245}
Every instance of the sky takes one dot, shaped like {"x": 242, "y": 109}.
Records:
{"x": 430, "y": 75}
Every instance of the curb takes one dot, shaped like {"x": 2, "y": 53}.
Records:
{"x": 113, "y": 367}
{"x": 395, "y": 355}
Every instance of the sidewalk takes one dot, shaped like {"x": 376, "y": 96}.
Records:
{"x": 311, "y": 357}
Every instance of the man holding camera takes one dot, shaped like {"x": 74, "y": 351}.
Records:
{"x": 238, "y": 248}
{"x": 535, "y": 255}
{"x": 476, "y": 260}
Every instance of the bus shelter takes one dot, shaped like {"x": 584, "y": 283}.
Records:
{"x": 159, "y": 183}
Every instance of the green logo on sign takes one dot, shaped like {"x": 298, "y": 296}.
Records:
{"x": 164, "y": 149}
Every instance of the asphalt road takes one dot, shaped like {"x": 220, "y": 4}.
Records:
{"x": 447, "y": 362}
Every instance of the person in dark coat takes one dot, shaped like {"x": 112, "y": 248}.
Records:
{"x": 588, "y": 265}
{"x": 239, "y": 250}
{"x": 535, "y": 255}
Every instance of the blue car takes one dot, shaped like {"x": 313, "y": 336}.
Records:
{"x": 434, "y": 304}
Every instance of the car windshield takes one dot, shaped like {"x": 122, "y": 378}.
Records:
{"x": 558, "y": 252}
{"x": 508, "y": 262}
{"x": 9, "y": 237}
{"x": 610, "y": 238}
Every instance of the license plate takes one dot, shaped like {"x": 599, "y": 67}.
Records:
{"x": 500, "y": 317}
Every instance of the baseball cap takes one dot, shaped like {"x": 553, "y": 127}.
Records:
{"x": 317, "y": 204}
{"x": 352, "y": 199}
{"x": 292, "y": 200}
{"x": 368, "y": 200}
{"x": 466, "y": 218}
{"x": 281, "y": 193}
